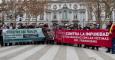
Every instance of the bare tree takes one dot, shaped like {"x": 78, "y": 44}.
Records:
{"x": 30, "y": 7}
{"x": 97, "y": 6}
{"x": 34, "y": 7}
{"x": 3, "y": 10}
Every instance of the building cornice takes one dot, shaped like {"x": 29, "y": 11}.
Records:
{"x": 70, "y": 1}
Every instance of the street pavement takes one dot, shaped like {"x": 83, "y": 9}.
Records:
{"x": 52, "y": 52}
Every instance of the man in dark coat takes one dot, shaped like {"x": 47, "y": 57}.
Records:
{"x": 112, "y": 33}
{"x": 1, "y": 37}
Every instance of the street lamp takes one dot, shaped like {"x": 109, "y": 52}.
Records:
{"x": 2, "y": 10}
{"x": 98, "y": 10}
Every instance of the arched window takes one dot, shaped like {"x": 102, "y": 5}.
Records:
{"x": 59, "y": 5}
{"x": 65, "y": 6}
{"x": 75, "y": 6}
{"x": 41, "y": 17}
{"x": 70, "y": 5}
{"x": 55, "y": 7}
{"x": 65, "y": 15}
{"x": 55, "y": 17}
{"x": 49, "y": 6}
{"x": 75, "y": 16}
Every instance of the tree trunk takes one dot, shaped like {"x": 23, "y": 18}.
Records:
{"x": 36, "y": 20}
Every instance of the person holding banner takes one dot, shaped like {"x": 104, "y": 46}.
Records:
{"x": 1, "y": 37}
{"x": 112, "y": 33}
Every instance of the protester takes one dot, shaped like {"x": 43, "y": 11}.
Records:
{"x": 20, "y": 26}
{"x": 112, "y": 34}
{"x": 104, "y": 26}
{"x": 1, "y": 37}
{"x": 50, "y": 38}
{"x": 108, "y": 27}
{"x": 66, "y": 26}
{"x": 4, "y": 26}
{"x": 87, "y": 27}
{"x": 95, "y": 28}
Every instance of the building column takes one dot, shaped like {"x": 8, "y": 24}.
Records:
{"x": 113, "y": 15}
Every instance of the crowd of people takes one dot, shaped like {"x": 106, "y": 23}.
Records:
{"x": 74, "y": 26}
{"x": 49, "y": 33}
{"x": 79, "y": 27}
{"x": 22, "y": 26}
{"x": 89, "y": 26}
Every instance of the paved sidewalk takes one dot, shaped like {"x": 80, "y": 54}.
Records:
{"x": 52, "y": 52}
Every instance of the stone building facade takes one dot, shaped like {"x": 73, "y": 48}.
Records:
{"x": 60, "y": 12}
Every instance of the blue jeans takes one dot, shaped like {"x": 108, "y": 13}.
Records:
{"x": 113, "y": 45}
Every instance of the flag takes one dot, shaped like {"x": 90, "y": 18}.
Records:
{"x": 111, "y": 28}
